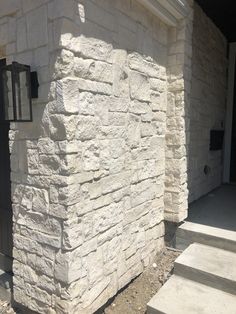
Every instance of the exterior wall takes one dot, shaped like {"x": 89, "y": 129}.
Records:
{"x": 119, "y": 56}
{"x": 40, "y": 154}
{"x": 178, "y": 107}
{"x": 105, "y": 155}
{"x": 208, "y": 101}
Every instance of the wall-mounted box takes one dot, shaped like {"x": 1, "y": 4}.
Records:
{"x": 216, "y": 140}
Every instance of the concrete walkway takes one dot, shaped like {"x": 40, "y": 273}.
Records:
{"x": 217, "y": 209}
{"x": 204, "y": 280}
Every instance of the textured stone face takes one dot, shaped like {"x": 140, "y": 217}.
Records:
{"x": 177, "y": 121}
{"x": 105, "y": 155}
{"x": 41, "y": 158}
{"x": 121, "y": 133}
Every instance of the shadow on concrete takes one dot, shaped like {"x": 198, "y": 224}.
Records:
{"x": 216, "y": 209}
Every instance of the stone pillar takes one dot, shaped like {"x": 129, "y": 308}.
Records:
{"x": 115, "y": 203}
{"x": 177, "y": 135}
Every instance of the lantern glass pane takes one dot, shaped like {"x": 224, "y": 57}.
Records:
{"x": 7, "y": 94}
{"x": 23, "y": 104}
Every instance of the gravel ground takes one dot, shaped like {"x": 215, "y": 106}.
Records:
{"x": 134, "y": 298}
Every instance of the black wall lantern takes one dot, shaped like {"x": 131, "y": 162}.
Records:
{"x": 18, "y": 86}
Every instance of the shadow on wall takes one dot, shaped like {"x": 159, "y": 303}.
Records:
{"x": 208, "y": 104}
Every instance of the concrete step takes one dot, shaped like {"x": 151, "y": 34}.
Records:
{"x": 183, "y": 296}
{"x": 189, "y": 233}
{"x": 208, "y": 265}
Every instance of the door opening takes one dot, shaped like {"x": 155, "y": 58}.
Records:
{"x": 6, "y": 242}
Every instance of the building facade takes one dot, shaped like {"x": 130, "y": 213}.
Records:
{"x": 119, "y": 142}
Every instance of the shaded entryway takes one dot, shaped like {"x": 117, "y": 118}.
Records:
{"x": 216, "y": 209}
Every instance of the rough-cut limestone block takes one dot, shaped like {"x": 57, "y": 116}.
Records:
{"x": 67, "y": 93}
{"x": 138, "y": 63}
{"x": 139, "y": 86}
{"x": 72, "y": 234}
{"x": 93, "y": 70}
{"x": 21, "y": 43}
{"x": 40, "y": 201}
{"x": 91, "y": 48}
{"x": 61, "y": 8}
{"x": 87, "y": 128}
{"x": 63, "y": 127}
{"x": 69, "y": 267}
{"x": 61, "y": 64}
{"x": 37, "y": 33}
{"x": 95, "y": 87}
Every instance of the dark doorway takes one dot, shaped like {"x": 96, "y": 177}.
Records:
{"x": 223, "y": 15}
{"x": 6, "y": 242}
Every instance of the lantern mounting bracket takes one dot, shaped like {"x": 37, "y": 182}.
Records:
{"x": 34, "y": 84}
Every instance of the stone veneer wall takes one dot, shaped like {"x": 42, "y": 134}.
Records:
{"x": 118, "y": 53}
{"x": 40, "y": 153}
{"x": 208, "y": 101}
{"x": 178, "y": 116}
{"x": 90, "y": 182}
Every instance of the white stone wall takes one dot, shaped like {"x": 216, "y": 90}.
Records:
{"x": 208, "y": 100}
{"x": 40, "y": 153}
{"x": 105, "y": 155}
{"x": 88, "y": 172}
{"x": 117, "y": 59}
{"x": 177, "y": 124}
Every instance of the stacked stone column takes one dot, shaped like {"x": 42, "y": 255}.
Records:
{"x": 177, "y": 134}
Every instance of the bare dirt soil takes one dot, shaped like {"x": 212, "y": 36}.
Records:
{"x": 5, "y": 308}
{"x": 134, "y": 299}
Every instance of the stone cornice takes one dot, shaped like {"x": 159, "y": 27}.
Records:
{"x": 169, "y": 11}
